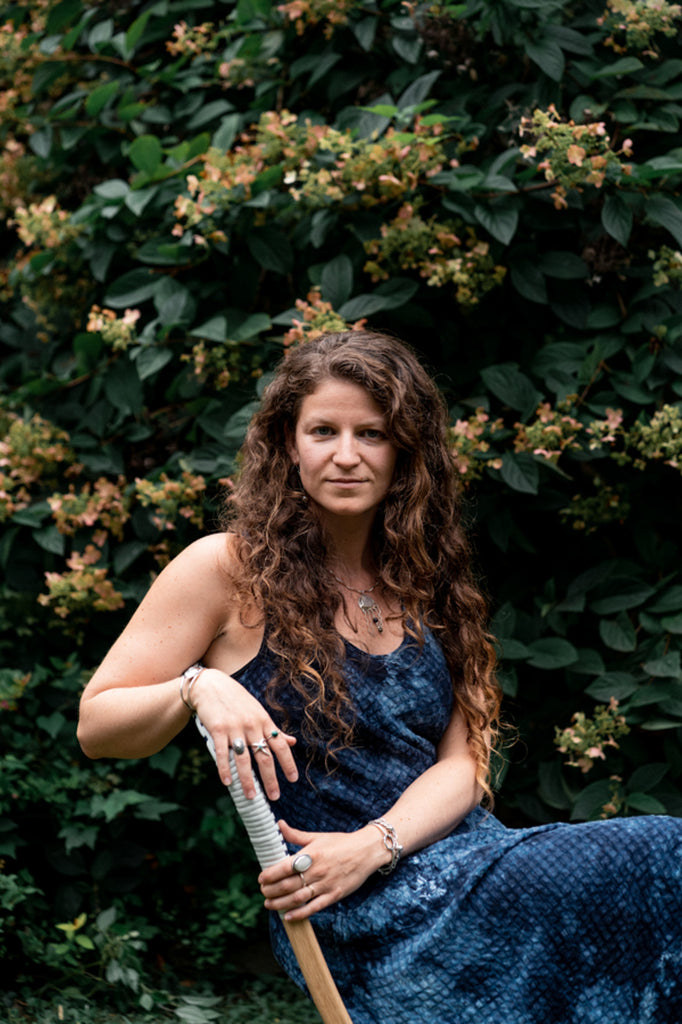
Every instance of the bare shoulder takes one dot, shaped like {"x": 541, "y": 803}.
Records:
{"x": 190, "y": 603}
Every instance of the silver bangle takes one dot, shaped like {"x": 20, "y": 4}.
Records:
{"x": 390, "y": 842}
{"x": 190, "y": 676}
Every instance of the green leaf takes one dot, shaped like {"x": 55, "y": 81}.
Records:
{"x": 529, "y": 281}
{"x": 624, "y": 66}
{"x": 645, "y": 803}
{"x": 134, "y": 33}
{"x": 672, "y": 623}
{"x": 548, "y": 55}
{"x": 513, "y": 650}
{"x": 362, "y": 305}
{"x": 618, "y": 634}
{"x": 52, "y": 724}
{"x": 50, "y": 539}
{"x": 551, "y": 652}
{"x": 151, "y": 360}
{"x": 631, "y": 597}
{"x": 666, "y": 213}
{"x": 396, "y": 291}
{"x": 552, "y": 788}
{"x": 250, "y": 326}
{"x": 512, "y": 387}
{"x": 418, "y": 90}
{"x": 271, "y": 249}
{"x": 123, "y": 388}
{"x": 208, "y": 112}
{"x": 520, "y": 472}
{"x": 365, "y": 32}
{"x": 226, "y": 133}
{"x": 214, "y": 329}
{"x": 646, "y": 777}
{"x": 669, "y": 601}
{"x": 500, "y": 219}
{"x": 564, "y": 265}
{"x": 111, "y": 805}
{"x": 336, "y": 280}
{"x": 619, "y": 685}
{"x": 132, "y": 288}
{"x": 616, "y": 218}
{"x": 668, "y": 665}
{"x": 590, "y": 803}
{"x": 99, "y": 97}
{"x": 146, "y": 154}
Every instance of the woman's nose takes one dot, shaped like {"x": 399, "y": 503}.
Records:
{"x": 346, "y": 453}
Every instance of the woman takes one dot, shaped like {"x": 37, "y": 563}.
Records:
{"x": 337, "y": 642}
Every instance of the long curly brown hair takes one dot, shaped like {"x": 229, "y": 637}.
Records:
{"x": 418, "y": 544}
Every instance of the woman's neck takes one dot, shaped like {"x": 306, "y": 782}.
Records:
{"x": 350, "y": 554}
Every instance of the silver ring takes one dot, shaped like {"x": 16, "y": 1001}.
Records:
{"x": 303, "y": 881}
{"x": 274, "y": 733}
{"x": 261, "y": 747}
{"x": 238, "y": 746}
{"x": 301, "y": 862}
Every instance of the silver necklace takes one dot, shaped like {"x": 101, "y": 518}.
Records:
{"x": 366, "y": 603}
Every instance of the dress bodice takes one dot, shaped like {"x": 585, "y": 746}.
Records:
{"x": 402, "y": 702}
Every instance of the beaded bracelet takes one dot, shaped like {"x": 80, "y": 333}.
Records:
{"x": 190, "y": 676}
{"x": 390, "y": 842}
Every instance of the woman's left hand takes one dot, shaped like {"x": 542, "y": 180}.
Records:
{"x": 341, "y": 862}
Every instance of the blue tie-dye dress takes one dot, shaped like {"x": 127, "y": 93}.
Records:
{"x": 558, "y": 924}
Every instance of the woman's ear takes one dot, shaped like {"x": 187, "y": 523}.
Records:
{"x": 290, "y": 444}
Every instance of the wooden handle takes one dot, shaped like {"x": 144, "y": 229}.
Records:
{"x": 320, "y": 983}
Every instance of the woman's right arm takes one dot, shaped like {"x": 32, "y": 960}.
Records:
{"x": 132, "y": 705}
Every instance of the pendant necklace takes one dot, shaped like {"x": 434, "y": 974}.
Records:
{"x": 366, "y": 603}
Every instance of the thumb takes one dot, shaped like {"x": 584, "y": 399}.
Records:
{"x": 295, "y": 835}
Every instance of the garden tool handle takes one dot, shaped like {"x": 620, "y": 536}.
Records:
{"x": 269, "y": 847}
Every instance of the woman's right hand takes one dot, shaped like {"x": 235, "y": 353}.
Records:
{"x": 231, "y": 713}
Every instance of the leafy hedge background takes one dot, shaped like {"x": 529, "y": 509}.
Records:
{"x": 190, "y": 187}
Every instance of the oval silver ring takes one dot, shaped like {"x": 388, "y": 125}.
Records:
{"x": 238, "y": 746}
{"x": 301, "y": 862}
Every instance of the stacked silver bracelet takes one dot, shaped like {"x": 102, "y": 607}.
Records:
{"x": 190, "y": 676}
{"x": 390, "y": 842}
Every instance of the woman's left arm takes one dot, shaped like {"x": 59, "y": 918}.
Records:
{"x": 429, "y": 809}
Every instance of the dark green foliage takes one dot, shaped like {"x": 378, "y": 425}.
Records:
{"x": 496, "y": 182}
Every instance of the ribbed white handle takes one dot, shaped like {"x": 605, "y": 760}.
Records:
{"x": 259, "y": 821}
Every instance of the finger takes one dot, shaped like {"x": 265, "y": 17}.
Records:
{"x": 280, "y": 888}
{"x": 265, "y": 764}
{"x": 295, "y": 835}
{"x": 280, "y": 746}
{"x": 242, "y": 758}
{"x": 297, "y": 901}
{"x": 222, "y": 758}
{"x": 309, "y": 907}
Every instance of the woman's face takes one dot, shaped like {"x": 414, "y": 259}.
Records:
{"x": 342, "y": 450}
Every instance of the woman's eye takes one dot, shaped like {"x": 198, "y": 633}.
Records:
{"x": 322, "y": 431}
{"x": 374, "y": 435}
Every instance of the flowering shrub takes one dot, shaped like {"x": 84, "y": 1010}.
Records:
{"x": 306, "y": 13}
{"x": 30, "y": 452}
{"x": 103, "y": 503}
{"x": 576, "y": 154}
{"x": 173, "y": 498}
{"x": 316, "y": 317}
{"x": 434, "y": 249}
{"x": 118, "y": 332}
{"x": 667, "y": 266}
{"x": 82, "y": 589}
{"x": 638, "y": 21}
{"x": 470, "y": 441}
{"x": 583, "y": 742}
{"x": 187, "y": 191}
